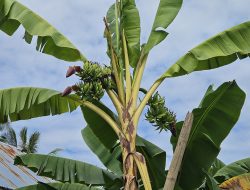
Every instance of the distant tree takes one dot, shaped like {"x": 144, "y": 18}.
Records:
{"x": 9, "y": 136}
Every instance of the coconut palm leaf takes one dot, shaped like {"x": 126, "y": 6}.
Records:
{"x": 23, "y": 137}
{"x": 220, "y": 50}
{"x": 49, "y": 41}
{"x": 27, "y": 102}
{"x": 67, "y": 170}
{"x": 9, "y": 136}
{"x": 33, "y": 142}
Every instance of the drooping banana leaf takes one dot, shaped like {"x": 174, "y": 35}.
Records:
{"x": 101, "y": 139}
{"x": 212, "y": 123}
{"x": 166, "y": 13}
{"x": 110, "y": 157}
{"x": 57, "y": 186}
{"x": 28, "y": 102}
{"x": 234, "y": 169}
{"x": 220, "y": 50}
{"x": 49, "y": 41}
{"x": 67, "y": 170}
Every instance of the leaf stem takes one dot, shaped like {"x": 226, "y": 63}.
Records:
{"x": 137, "y": 79}
{"x": 118, "y": 105}
{"x": 144, "y": 101}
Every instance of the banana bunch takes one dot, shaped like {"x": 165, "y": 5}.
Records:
{"x": 159, "y": 115}
{"x": 94, "y": 79}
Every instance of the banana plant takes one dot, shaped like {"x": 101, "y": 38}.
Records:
{"x": 132, "y": 162}
{"x": 234, "y": 176}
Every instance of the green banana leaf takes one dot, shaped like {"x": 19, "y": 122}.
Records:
{"x": 209, "y": 91}
{"x": 220, "y": 50}
{"x": 49, "y": 41}
{"x": 234, "y": 169}
{"x": 113, "y": 23}
{"x": 166, "y": 13}
{"x": 110, "y": 157}
{"x": 211, "y": 184}
{"x": 216, "y": 166}
{"x": 212, "y": 123}
{"x": 130, "y": 22}
{"x": 67, "y": 170}
{"x": 28, "y": 102}
{"x": 101, "y": 139}
{"x": 57, "y": 186}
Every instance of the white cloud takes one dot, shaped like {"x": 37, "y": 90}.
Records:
{"x": 82, "y": 22}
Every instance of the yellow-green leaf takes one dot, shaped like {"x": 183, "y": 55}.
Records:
{"x": 241, "y": 182}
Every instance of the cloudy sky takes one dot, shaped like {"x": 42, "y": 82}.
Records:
{"x": 81, "y": 22}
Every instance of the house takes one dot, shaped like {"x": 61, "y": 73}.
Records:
{"x": 11, "y": 176}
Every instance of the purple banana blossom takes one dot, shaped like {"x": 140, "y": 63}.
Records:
{"x": 67, "y": 91}
{"x": 70, "y": 71}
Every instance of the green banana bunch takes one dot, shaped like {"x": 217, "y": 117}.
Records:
{"x": 94, "y": 79}
{"x": 159, "y": 115}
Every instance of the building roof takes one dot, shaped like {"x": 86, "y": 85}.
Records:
{"x": 12, "y": 176}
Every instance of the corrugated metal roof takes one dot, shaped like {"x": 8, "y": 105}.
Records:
{"x": 12, "y": 176}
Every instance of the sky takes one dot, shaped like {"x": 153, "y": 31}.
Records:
{"x": 81, "y": 21}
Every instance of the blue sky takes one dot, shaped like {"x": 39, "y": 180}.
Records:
{"x": 81, "y": 22}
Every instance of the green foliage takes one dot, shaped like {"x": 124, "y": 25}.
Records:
{"x": 130, "y": 24}
{"x": 213, "y": 119}
{"x": 67, "y": 170}
{"x": 124, "y": 17}
{"x": 234, "y": 169}
{"x": 9, "y": 136}
{"x": 217, "y": 165}
{"x": 166, "y": 13}
{"x": 212, "y": 123}
{"x": 102, "y": 140}
{"x": 33, "y": 142}
{"x": 57, "y": 186}
{"x": 50, "y": 41}
{"x": 27, "y": 102}
{"x": 220, "y": 50}
{"x": 210, "y": 182}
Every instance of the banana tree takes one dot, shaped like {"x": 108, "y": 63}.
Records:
{"x": 132, "y": 162}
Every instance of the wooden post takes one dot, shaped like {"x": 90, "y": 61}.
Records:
{"x": 178, "y": 153}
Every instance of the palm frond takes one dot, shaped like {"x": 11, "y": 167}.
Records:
{"x": 23, "y": 137}
{"x": 33, "y": 142}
